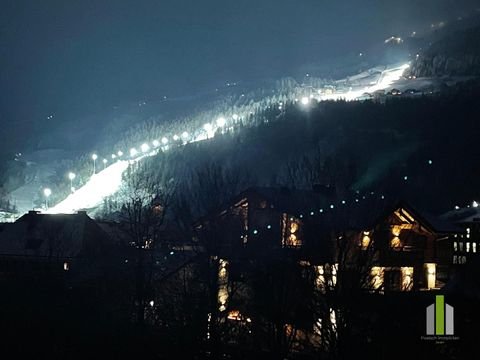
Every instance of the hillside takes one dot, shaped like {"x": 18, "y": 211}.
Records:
{"x": 455, "y": 54}
{"x": 408, "y": 148}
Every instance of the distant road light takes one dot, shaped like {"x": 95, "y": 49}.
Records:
{"x": 175, "y": 137}
{"x": 133, "y": 152}
{"x": 185, "y": 135}
{"x": 145, "y": 147}
{"x": 71, "y": 176}
{"x": 156, "y": 143}
{"x": 305, "y": 100}
{"x": 114, "y": 156}
{"x": 235, "y": 117}
{"x": 47, "y": 192}
{"x": 94, "y": 158}
{"x": 164, "y": 141}
{"x": 120, "y": 153}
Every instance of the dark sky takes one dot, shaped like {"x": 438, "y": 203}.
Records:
{"x": 84, "y": 55}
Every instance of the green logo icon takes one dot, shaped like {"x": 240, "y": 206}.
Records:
{"x": 439, "y": 317}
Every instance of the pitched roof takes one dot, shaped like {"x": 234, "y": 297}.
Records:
{"x": 428, "y": 220}
{"x": 44, "y": 235}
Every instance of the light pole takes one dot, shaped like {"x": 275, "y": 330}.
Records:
{"x": 47, "y": 192}
{"x": 94, "y": 158}
{"x": 145, "y": 147}
{"x": 104, "y": 163}
{"x": 71, "y": 176}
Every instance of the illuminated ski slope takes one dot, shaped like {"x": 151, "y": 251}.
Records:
{"x": 108, "y": 181}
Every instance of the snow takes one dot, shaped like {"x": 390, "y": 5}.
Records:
{"x": 108, "y": 181}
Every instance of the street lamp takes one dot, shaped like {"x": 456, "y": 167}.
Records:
{"x": 71, "y": 176}
{"x": 164, "y": 141}
{"x": 155, "y": 143}
{"x": 104, "y": 163}
{"x": 47, "y": 192}
{"x": 94, "y": 158}
{"x": 120, "y": 153}
{"x": 145, "y": 147}
{"x": 133, "y": 152}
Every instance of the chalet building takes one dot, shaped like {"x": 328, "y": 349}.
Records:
{"x": 71, "y": 247}
{"x": 310, "y": 246}
{"x": 412, "y": 251}
{"x": 407, "y": 250}
{"x": 265, "y": 221}
{"x": 466, "y": 244}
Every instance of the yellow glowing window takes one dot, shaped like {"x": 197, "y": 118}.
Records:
{"x": 395, "y": 243}
{"x": 365, "y": 241}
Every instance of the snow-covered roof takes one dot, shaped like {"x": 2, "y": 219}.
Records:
{"x": 49, "y": 235}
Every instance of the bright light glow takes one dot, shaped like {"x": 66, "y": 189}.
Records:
{"x": 431, "y": 275}
{"x": 105, "y": 161}
{"x": 475, "y": 204}
{"x": 107, "y": 182}
{"x": 221, "y": 121}
{"x": 47, "y": 192}
{"x": 152, "y": 303}
{"x": 104, "y": 184}
{"x": 145, "y": 147}
{"x": 394, "y": 39}
{"x": 71, "y": 175}
{"x": 209, "y": 130}
{"x": 114, "y": 156}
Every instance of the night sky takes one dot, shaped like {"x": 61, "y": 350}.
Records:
{"x": 83, "y": 56}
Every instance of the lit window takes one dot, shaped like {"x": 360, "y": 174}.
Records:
{"x": 455, "y": 260}
{"x": 431, "y": 275}
{"x": 474, "y": 247}
{"x": 460, "y": 245}
{"x": 468, "y": 247}
{"x": 395, "y": 243}
{"x": 464, "y": 259}
{"x": 455, "y": 246}
{"x": 66, "y": 266}
{"x": 377, "y": 277}
{"x": 407, "y": 278}
{"x": 292, "y": 232}
{"x": 365, "y": 240}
